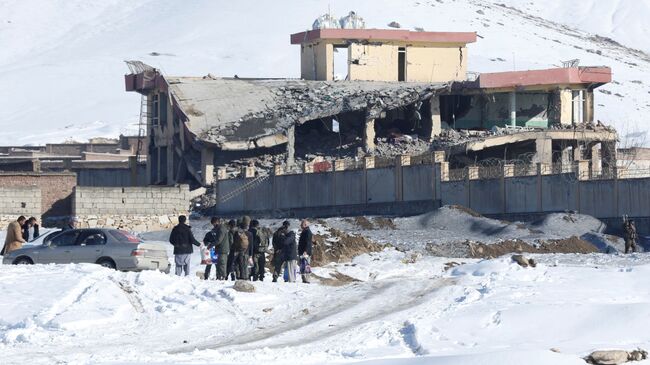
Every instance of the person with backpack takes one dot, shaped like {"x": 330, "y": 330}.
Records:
{"x": 305, "y": 245}
{"x": 278, "y": 243}
{"x": 258, "y": 250}
{"x": 212, "y": 241}
{"x": 242, "y": 241}
{"x": 182, "y": 239}
{"x": 290, "y": 255}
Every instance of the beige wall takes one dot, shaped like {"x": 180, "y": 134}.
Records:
{"x": 317, "y": 61}
{"x": 379, "y": 62}
{"x": 566, "y": 106}
{"x": 436, "y": 64}
{"x": 373, "y": 62}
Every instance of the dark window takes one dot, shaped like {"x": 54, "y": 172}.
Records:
{"x": 401, "y": 64}
{"x": 68, "y": 238}
{"x": 92, "y": 238}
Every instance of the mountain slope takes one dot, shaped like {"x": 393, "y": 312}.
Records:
{"x": 62, "y": 66}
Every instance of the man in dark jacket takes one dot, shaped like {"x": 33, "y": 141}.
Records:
{"x": 212, "y": 240}
{"x": 31, "y": 223}
{"x": 305, "y": 250}
{"x": 182, "y": 239}
{"x": 290, "y": 256}
{"x": 278, "y": 243}
{"x": 258, "y": 250}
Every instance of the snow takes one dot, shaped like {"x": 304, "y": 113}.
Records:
{"x": 63, "y": 63}
{"x": 482, "y": 311}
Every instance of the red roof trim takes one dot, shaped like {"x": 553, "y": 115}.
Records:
{"x": 575, "y": 75}
{"x": 384, "y": 35}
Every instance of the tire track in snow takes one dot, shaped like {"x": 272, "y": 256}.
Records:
{"x": 315, "y": 327}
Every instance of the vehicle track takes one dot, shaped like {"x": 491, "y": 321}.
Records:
{"x": 317, "y": 326}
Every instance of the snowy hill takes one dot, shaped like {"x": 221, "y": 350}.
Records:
{"x": 61, "y": 66}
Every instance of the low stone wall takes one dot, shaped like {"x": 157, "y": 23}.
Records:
{"x": 131, "y": 208}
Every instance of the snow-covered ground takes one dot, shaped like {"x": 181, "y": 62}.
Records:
{"x": 386, "y": 307}
{"x": 62, "y": 66}
{"x": 487, "y": 312}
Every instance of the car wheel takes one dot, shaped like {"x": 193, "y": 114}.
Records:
{"x": 23, "y": 261}
{"x": 107, "y": 263}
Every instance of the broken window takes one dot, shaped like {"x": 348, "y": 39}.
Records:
{"x": 154, "y": 110}
{"x": 401, "y": 64}
{"x": 162, "y": 115}
{"x": 341, "y": 64}
{"x": 458, "y": 112}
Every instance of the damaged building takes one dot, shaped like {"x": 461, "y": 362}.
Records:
{"x": 368, "y": 92}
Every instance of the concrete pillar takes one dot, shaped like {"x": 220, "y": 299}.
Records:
{"x": 508, "y": 170}
{"x": 544, "y": 168}
{"x": 369, "y": 135}
{"x": 278, "y": 170}
{"x": 221, "y": 173}
{"x": 309, "y": 168}
{"x": 291, "y": 146}
{"x": 583, "y": 169}
{"x": 438, "y": 156}
{"x": 608, "y": 157}
{"x": 544, "y": 150}
{"x": 567, "y": 159}
{"x": 444, "y": 171}
{"x": 513, "y": 108}
{"x": 339, "y": 165}
{"x": 436, "y": 121}
{"x": 473, "y": 172}
{"x": 248, "y": 172}
{"x": 596, "y": 166}
{"x": 404, "y": 160}
{"x": 578, "y": 153}
{"x": 566, "y": 107}
{"x": 207, "y": 166}
{"x": 577, "y": 107}
{"x": 369, "y": 162}
{"x": 588, "y": 106}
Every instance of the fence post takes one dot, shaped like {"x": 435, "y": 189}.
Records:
{"x": 539, "y": 186}
{"x": 508, "y": 171}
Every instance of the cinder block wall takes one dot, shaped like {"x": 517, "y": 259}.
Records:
{"x": 131, "y": 208}
{"x": 17, "y": 201}
{"x": 55, "y": 190}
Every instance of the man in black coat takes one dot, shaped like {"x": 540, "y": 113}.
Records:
{"x": 211, "y": 240}
{"x": 290, "y": 256}
{"x": 305, "y": 250}
{"x": 31, "y": 223}
{"x": 278, "y": 243}
{"x": 182, "y": 239}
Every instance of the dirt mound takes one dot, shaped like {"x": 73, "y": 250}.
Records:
{"x": 376, "y": 223}
{"x": 466, "y": 210}
{"x": 473, "y": 249}
{"x": 572, "y": 244}
{"x": 339, "y": 246}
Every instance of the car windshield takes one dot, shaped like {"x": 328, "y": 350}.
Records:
{"x": 125, "y": 237}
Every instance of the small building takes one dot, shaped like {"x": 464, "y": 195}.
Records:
{"x": 383, "y": 55}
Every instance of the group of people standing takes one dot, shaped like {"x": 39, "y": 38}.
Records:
{"x": 18, "y": 232}
{"x": 241, "y": 248}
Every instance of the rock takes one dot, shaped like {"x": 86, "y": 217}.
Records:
{"x": 522, "y": 261}
{"x": 609, "y": 357}
{"x": 244, "y": 286}
{"x": 637, "y": 355}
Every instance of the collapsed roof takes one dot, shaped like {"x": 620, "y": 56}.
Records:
{"x": 240, "y": 114}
